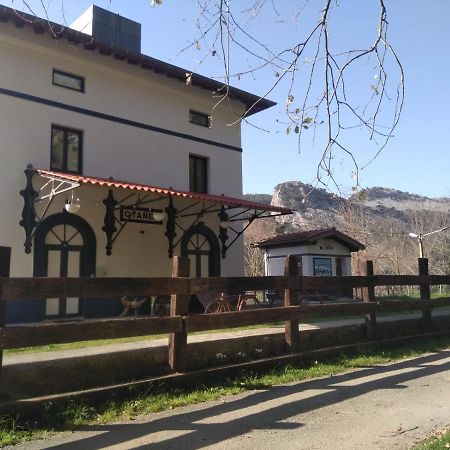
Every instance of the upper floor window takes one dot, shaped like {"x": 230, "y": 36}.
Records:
{"x": 68, "y": 80}
{"x": 199, "y": 119}
{"x": 66, "y": 146}
{"x": 198, "y": 174}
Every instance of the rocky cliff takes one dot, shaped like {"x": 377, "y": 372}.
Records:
{"x": 317, "y": 208}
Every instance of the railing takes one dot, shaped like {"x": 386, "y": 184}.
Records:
{"x": 179, "y": 324}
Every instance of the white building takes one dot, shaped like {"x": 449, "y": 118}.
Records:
{"x": 324, "y": 252}
{"x": 124, "y": 168}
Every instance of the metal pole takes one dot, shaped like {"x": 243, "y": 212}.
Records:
{"x": 421, "y": 253}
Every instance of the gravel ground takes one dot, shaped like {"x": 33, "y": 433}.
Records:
{"x": 385, "y": 407}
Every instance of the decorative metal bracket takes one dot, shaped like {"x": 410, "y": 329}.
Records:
{"x": 109, "y": 221}
{"x": 170, "y": 226}
{"x": 30, "y": 219}
{"x": 55, "y": 186}
{"x": 250, "y": 219}
{"x": 196, "y": 215}
{"x": 223, "y": 235}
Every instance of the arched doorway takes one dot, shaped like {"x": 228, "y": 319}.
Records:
{"x": 65, "y": 246}
{"x": 201, "y": 246}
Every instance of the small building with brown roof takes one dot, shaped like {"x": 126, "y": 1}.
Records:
{"x": 323, "y": 252}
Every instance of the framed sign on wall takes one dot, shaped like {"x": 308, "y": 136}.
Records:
{"x": 322, "y": 267}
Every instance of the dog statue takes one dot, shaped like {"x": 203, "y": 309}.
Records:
{"x": 129, "y": 305}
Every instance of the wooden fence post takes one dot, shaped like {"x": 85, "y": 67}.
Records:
{"x": 5, "y": 262}
{"x": 2, "y": 324}
{"x": 425, "y": 294}
{"x": 369, "y": 296}
{"x": 179, "y": 305}
{"x": 292, "y": 335}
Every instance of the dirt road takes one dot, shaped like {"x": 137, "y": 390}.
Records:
{"x": 384, "y": 407}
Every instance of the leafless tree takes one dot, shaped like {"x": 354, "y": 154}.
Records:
{"x": 437, "y": 245}
{"x": 253, "y": 256}
{"x": 388, "y": 242}
{"x": 385, "y": 239}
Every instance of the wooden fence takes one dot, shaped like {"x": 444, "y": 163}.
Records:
{"x": 180, "y": 287}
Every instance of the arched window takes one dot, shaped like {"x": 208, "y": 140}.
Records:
{"x": 201, "y": 246}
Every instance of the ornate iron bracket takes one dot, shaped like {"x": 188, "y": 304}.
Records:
{"x": 109, "y": 221}
{"x": 170, "y": 226}
{"x": 29, "y": 216}
{"x": 250, "y": 219}
{"x": 223, "y": 235}
{"x": 52, "y": 187}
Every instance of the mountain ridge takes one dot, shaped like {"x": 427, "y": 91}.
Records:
{"x": 380, "y": 201}
{"x": 317, "y": 208}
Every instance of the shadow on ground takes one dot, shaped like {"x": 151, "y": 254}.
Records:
{"x": 196, "y": 427}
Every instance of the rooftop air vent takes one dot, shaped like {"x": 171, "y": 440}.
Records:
{"x": 110, "y": 29}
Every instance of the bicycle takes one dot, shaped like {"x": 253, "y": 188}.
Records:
{"x": 225, "y": 303}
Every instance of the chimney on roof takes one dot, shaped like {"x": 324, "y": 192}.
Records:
{"x": 109, "y": 28}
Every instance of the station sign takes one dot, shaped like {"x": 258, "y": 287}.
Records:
{"x": 140, "y": 215}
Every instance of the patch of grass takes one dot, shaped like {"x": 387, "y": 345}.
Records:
{"x": 413, "y": 297}
{"x": 438, "y": 442}
{"x": 76, "y": 413}
{"x": 13, "y": 432}
{"x": 81, "y": 344}
{"x": 102, "y": 342}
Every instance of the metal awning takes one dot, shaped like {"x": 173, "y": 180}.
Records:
{"x": 231, "y": 202}
{"x": 140, "y": 196}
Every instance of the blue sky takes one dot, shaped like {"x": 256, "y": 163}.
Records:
{"x": 416, "y": 160}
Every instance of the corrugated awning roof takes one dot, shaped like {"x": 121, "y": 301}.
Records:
{"x": 111, "y": 183}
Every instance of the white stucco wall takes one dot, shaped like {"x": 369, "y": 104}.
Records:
{"x": 109, "y": 149}
{"x": 118, "y": 89}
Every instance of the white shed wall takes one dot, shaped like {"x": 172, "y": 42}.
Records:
{"x": 274, "y": 257}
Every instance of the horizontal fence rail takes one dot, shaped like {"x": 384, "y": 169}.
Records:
{"x": 62, "y": 333}
{"x": 411, "y": 305}
{"x": 239, "y": 284}
{"x": 38, "y": 288}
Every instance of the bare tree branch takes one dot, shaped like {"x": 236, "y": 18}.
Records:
{"x": 326, "y": 105}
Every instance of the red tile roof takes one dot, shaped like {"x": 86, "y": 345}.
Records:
{"x": 310, "y": 237}
{"x": 111, "y": 183}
